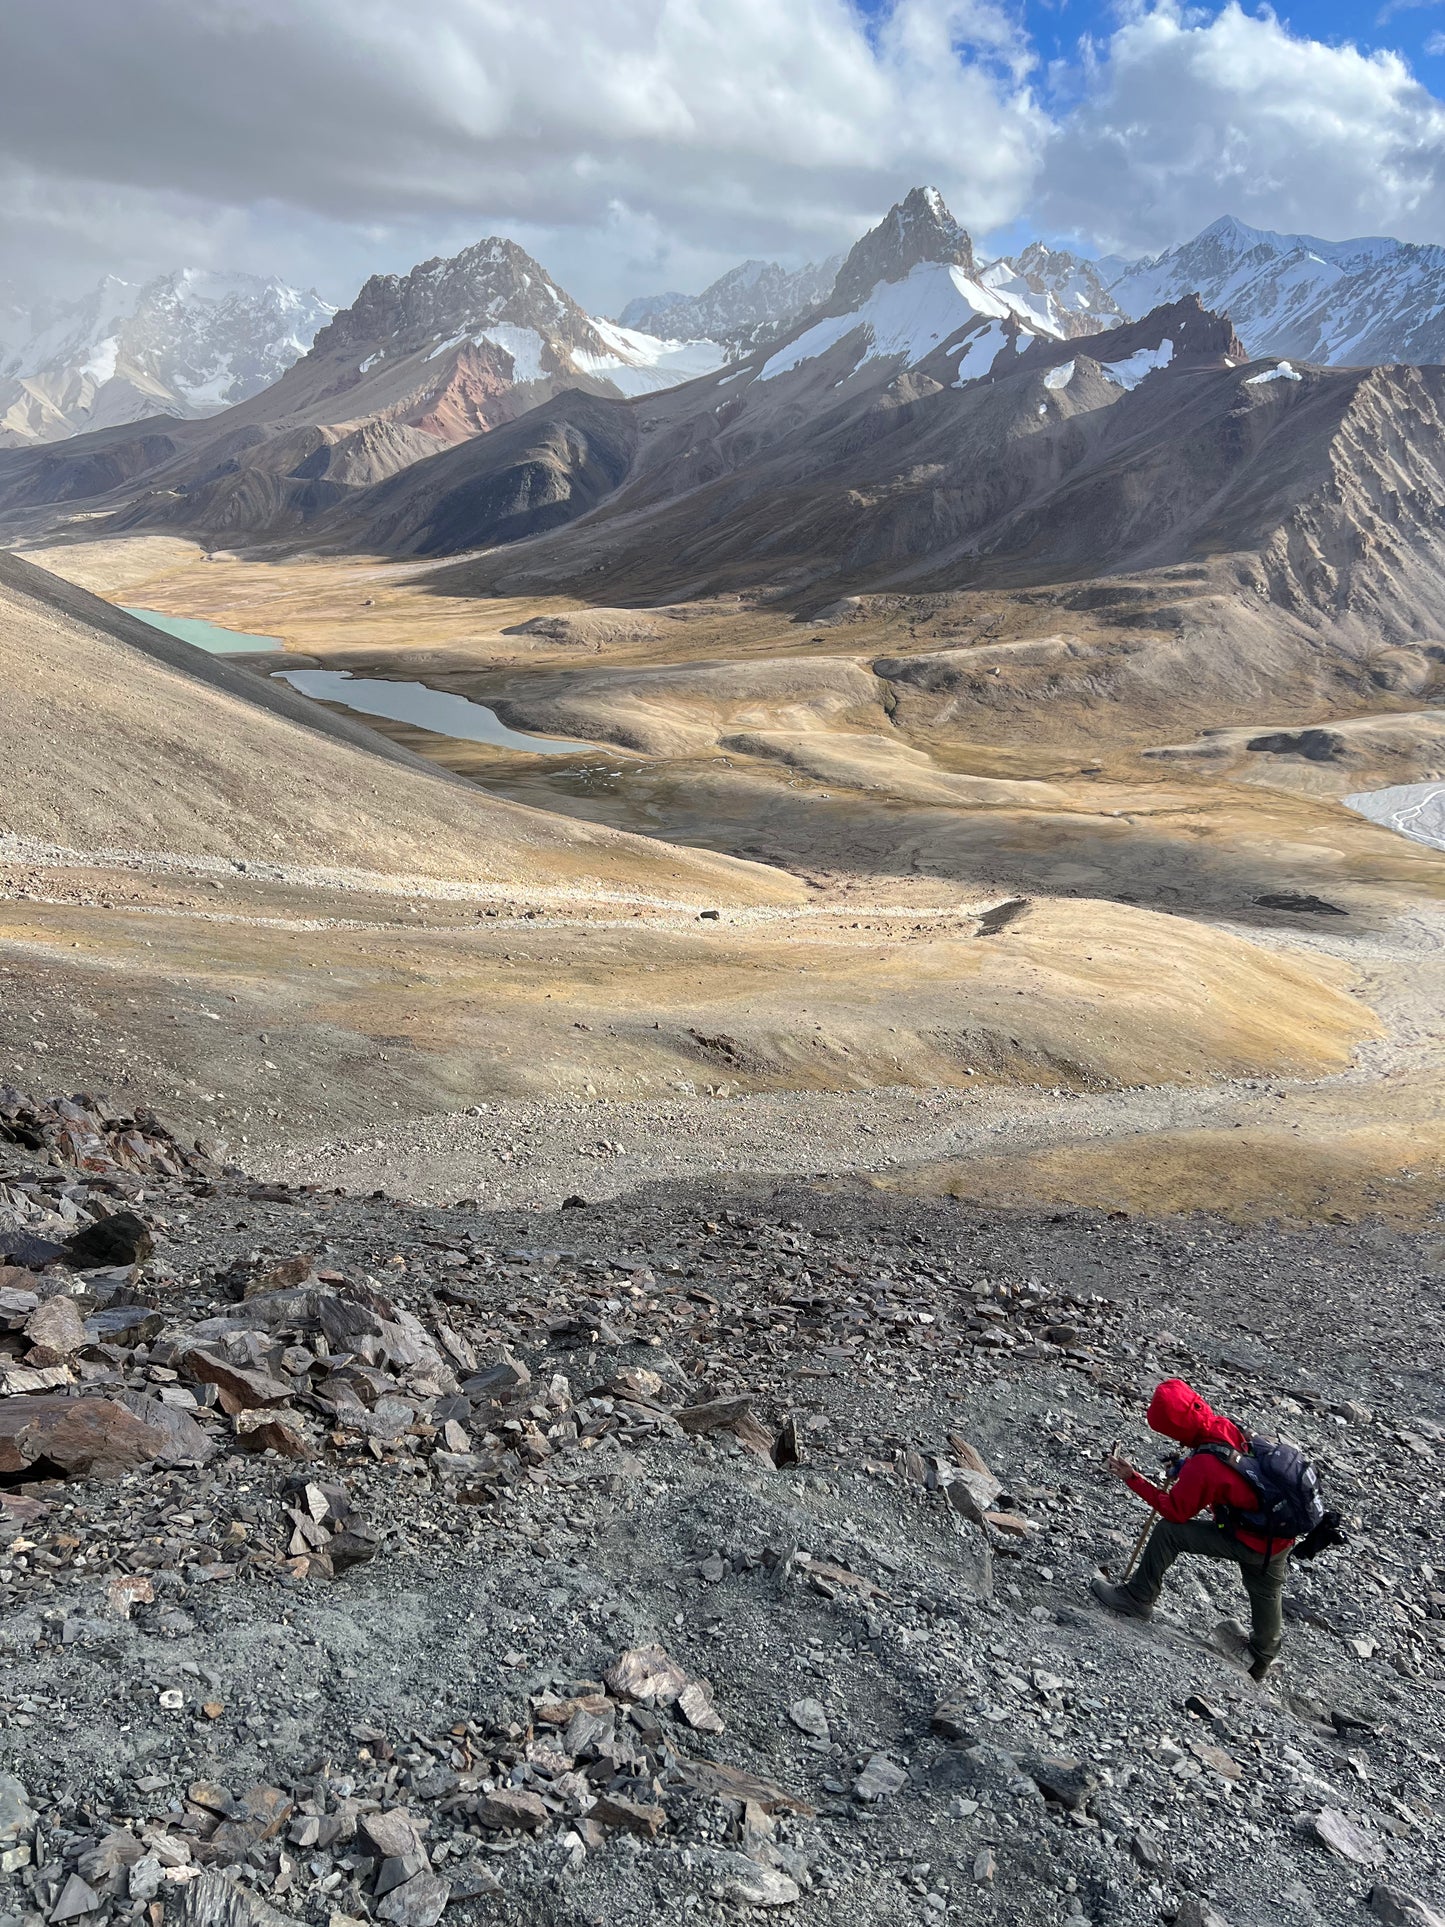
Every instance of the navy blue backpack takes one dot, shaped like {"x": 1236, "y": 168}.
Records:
{"x": 1287, "y": 1486}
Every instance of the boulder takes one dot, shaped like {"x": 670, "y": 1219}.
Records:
{"x": 55, "y": 1327}
{"x": 1397, "y": 1909}
{"x": 120, "y": 1239}
{"x": 647, "y": 1674}
{"x": 80, "y": 1437}
{"x": 185, "y": 1442}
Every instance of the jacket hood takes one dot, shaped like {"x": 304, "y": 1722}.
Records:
{"x": 1178, "y": 1411}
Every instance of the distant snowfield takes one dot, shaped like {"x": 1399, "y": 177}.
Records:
{"x": 909, "y": 318}
{"x": 1416, "y": 810}
{"x": 638, "y": 364}
{"x": 643, "y": 364}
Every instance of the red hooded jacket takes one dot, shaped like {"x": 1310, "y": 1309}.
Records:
{"x": 1204, "y": 1481}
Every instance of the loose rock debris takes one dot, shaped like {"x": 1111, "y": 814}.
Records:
{"x": 362, "y": 1563}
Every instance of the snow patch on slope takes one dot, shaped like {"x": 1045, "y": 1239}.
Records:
{"x": 907, "y": 318}
{"x": 1130, "y": 372}
{"x": 980, "y": 352}
{"x": 1284, "y": 372}
{"x": 524, "y": 345}
{"x": 640, "y": 364}
{"x": 99, "y": 364}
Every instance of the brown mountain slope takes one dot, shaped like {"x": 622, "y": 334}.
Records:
{"x": 418, "y": 363}
{"x": 1241, "y": 535}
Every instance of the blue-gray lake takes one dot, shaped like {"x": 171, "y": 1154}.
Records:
{"x": 433, "y": 709}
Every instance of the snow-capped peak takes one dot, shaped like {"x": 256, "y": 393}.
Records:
{"x": 184, "y": 344}
{"x": 1364, "y": 300}
{"x": 495, "y": 302}
{"x": 918, "y": 228}
{"x": 935, "y": 305}
{"x": 1063, "y": 293}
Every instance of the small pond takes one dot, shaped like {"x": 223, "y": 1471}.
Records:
{"x": 432, "y": 709}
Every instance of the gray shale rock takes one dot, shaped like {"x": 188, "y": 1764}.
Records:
{"x": 1398, "y": 1909}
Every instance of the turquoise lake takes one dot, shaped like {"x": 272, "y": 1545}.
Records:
{"x": 207, "y": 635}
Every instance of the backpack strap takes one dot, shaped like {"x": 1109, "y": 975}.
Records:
{"x": 1231, "y": 1517}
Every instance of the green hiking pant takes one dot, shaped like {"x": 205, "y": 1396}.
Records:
{"x": 1263, "y": 1578}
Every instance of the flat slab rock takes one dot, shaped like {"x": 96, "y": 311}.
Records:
{"x": 419, "y": 1902}
{"x": 215, "y": 1900}
{"x": 84, "y": 1437}
{"x": 1398, "y": 1909}
{"x": 738, "y": 1878}
{"x": 879, "y": 1778}
{"x": 1344, "y": 1837}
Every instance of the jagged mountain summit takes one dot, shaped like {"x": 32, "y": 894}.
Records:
{"x": 911, "y": 280}
{"x": 185, "y": 345}
{"x": 740, "y": 308}
{"x": 907, "y": 288}
{"x": 913, "y": 286}
{"x": 918, "y": 230}
{"x": 500, "y": 310}
{"x": 1067, "y": 294}
{"x": 1343, "y": 303}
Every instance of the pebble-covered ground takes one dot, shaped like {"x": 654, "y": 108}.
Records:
{"x": 704, "y": 1551}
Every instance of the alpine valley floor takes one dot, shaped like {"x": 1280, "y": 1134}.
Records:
{"x": 606, "y": 1424}
{"x": 922, "y": 911}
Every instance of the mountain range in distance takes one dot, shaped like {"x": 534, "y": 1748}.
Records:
{"x": 194, "y": 343}
{"x": 187, "y": 344}
{"x": 460, "y": 349}
{"x": 932, "y": 428}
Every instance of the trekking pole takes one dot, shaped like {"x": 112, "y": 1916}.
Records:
{"x": 1144, "y": 1531}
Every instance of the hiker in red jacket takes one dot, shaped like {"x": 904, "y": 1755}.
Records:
{"x": 1204, "y": 1483}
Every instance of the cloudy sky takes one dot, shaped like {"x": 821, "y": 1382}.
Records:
{"x": 635, "y": 145}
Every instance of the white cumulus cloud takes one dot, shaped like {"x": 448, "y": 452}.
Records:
{"x": 644, "y": 144}
{"x": 1188, "y": 114}
{"x": 708, "y": 130}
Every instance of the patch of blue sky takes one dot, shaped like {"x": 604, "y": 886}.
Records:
{"x": 1415, "y": 28}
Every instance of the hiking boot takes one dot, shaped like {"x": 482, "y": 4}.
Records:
{"x": 1231, "y": 1641}
{"x": 1259, "y": 1668}
{"x": 1119, "y": 1599}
